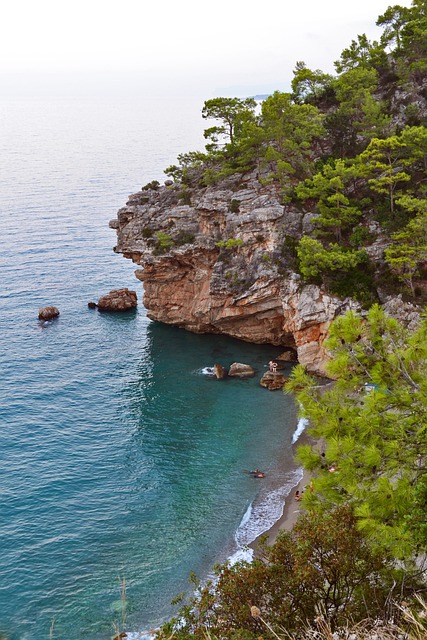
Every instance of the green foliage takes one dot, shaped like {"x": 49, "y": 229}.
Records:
{"x": 329, "y": 187}
{"x": 361, "y": 54}
{"x": 154, "y": 185}
{"x": 185, "y": 196}
{"x": 409, "y": 246}
{"x": 323, "y": 563}
{"x": 390, "y": 163}
{"x": 393, "y": 19}
{"x": 190, "y": 165}
{"x": 164, "y": 243}
{"x": 290, "y": 130}
{"x": 234, "y": 206}
{"x": 308, "y": 85}
{"x": 375, "y": 437}
{"x": 184, "y": 237}
{"x": 147, "y": 232}
{"x": 359, "y": 116}
{"x": 232, "y": 113}
{"x": 361, "y": 236}
{"x": 230, "y": 244}
{"x": 315, "y": 260}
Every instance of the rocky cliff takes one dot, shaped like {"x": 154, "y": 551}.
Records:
{"x": 219, "y": 260}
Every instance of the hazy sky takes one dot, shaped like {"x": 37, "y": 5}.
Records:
{"x": 201, "y": 47}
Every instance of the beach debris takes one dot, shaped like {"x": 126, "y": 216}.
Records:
{"x": 118, "y": 300}
{"x": 48, "y": 313}
{"x": 219, "y": 371}
{"x": 239, "y": 370}
{"x": 272, "y": 380}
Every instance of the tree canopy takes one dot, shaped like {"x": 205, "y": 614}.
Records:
{"x": 372, "y": 424}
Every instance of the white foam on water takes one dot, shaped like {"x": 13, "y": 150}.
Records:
{"x": 205, "y": 371}
{"x": 140, "y": 635}
{"x": 301, "y": 426}
{"x": 265, "y": 510}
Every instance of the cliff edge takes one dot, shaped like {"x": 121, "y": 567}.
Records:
{"x": 219, "y": 260}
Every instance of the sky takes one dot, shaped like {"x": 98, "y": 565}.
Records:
{"x": 227, "y": 47}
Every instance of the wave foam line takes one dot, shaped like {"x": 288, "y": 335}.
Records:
{"x": 301, "y": 426}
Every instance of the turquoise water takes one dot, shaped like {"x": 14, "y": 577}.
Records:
{"x": 119, "y": 456}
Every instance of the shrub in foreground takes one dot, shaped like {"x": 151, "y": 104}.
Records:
{"x": 324, "y": 564}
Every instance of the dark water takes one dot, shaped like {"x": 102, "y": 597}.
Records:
{"x": 118, "y": 456}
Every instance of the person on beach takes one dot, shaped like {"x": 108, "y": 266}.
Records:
{"x": 297, "y": 496}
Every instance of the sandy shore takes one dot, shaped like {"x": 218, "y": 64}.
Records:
{"x": 291, "y": 511}
{"x": 292, "y": 508}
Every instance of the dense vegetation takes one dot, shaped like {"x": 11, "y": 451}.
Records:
{"x": 353, "y": 149}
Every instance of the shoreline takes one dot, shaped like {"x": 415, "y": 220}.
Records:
{"x": 291, "y": 508}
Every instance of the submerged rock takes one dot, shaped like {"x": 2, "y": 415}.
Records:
{"x": 48, "y": 313}
{"x": 272, "y": 381}
{"x": 118, "y": 300}
{"x": 239, "y": 370}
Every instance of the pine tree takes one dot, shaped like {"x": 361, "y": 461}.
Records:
{"x": 373, "y": 426}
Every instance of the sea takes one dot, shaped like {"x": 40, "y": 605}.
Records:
{"x": 123, "y": 461}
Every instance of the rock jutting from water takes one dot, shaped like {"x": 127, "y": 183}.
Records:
{"x": 118, "y": 300}
{"x": 48, "y": 313}
{"x": 239, "y": 370}
{"x": 273, "y": 381}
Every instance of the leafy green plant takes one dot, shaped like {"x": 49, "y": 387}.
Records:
{"x": 164, "y": 242}
{"x": 230, "y": 244}
{"x": 154, "y": 185}
{"x": 234, "y": 206}
{"x": 374, "y": 435}
{"x": 313, "y": 565}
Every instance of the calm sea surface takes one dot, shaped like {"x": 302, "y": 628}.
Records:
{"x": 119, "y": 457}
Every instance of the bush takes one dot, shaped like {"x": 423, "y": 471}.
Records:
{"x": 184, "y": 237}
{"x": 234, "y": 206}
{"x": 147, "y": 232}
{"x": 164, "y": 242}
{"x": 185, "y": 196}
{"x": 154, "y": 184}
{"x": 323, "y": 563}
{"x": 231, "y": 243}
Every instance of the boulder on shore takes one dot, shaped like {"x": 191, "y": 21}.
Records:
{"x": 48, "y": 313}
{"x": 118, "y": 300}
{"x": 272, "y": 381}
{"x": 239, "y": 370}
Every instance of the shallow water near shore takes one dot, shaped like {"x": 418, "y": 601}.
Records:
{"x": 119, "y": 456}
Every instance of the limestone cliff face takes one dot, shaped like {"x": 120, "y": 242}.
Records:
{"x": 245, "y": 288}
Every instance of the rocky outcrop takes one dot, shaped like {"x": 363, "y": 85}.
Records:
{"x": 48, "y": 313}
{"x": 239, "y": 370}
{"x": 219, "y": 259}
{"x": 118, "y": 300}
{"x": 272, "y": 381}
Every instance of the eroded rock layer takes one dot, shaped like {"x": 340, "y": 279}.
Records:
{"x": 219, "y": 259}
